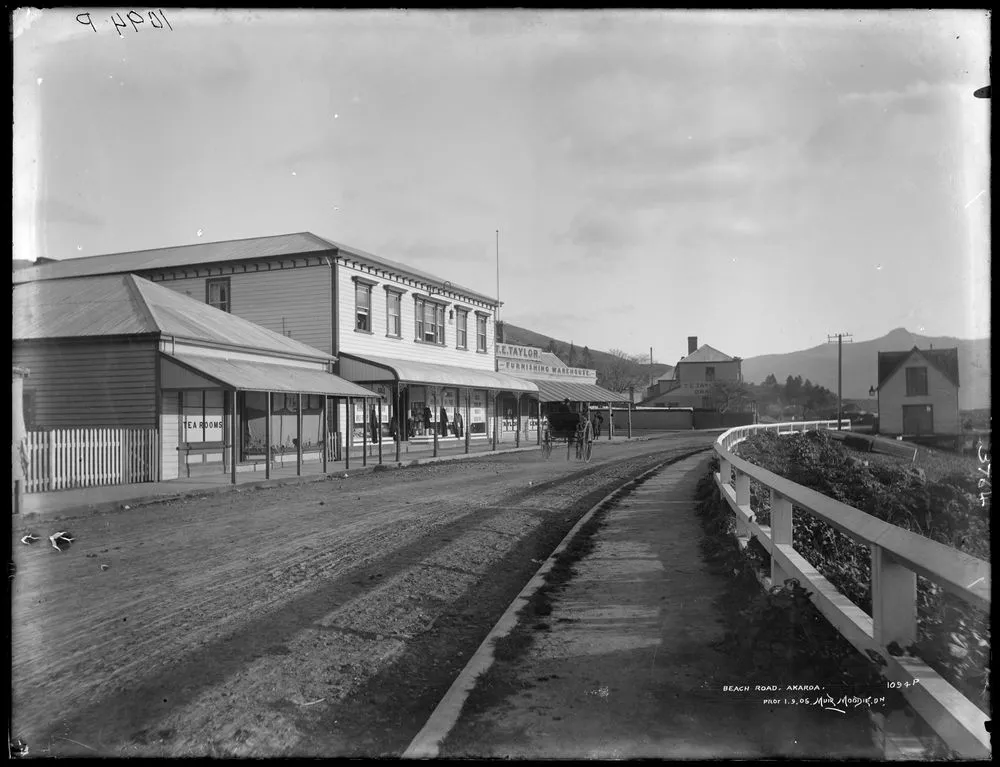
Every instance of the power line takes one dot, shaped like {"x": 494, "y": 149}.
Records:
{"x": 840, "y": 372}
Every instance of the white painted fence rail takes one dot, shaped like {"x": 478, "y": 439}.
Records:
{"x": 898, "y": 557}
{"x": 64, "y": 459}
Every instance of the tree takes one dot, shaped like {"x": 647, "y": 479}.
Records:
{"x": 571, "y": 357}
{"x": 730, "y": 396}
{"x": 622, "y": 372}
{"x": 771, "y": 382}
{"x": 551, "y": 348}
{"x": 587, "y": 360}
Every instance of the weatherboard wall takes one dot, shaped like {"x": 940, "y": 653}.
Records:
{"x": 295, "y": 300}
{"x": 88, "y": 383}
{"x": 377, "y": 342}
{"x": 942, "y": 395}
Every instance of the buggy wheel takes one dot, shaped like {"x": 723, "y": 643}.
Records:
{"x": 586, "y": 449}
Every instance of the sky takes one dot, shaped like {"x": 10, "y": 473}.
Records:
{"x": 757, "y": 179}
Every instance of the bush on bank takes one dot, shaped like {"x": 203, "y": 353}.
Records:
{"x": 953, "y": 637}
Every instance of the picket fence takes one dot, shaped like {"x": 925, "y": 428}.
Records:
{"x": 64, "y": 459}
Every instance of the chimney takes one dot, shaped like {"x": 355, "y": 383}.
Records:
{"x": 692, "y": 344}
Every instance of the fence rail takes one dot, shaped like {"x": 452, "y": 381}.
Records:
{"x": 64, "y": 459}
{"x": 897, "y": 558}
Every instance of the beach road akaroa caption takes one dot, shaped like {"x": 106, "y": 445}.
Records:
{"x": 135, "y": 19}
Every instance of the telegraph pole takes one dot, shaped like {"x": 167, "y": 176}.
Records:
{"x": 840, "y": 373}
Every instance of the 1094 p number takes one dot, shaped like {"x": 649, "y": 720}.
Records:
{"x": 157, "y": 20}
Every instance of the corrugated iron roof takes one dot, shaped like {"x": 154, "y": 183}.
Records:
{"x": 441, "y": 375}
{"x": 706, "y": 353}
{"x": 124, "y": 304}
{"x": 557, "y": 391}
{"x": 275, "y": 246}
{"x": 257, "y": 376}
{"x": 182, "y": 255}
{"x": 178, "y": 315}
{"x": 94, "y": 306}
{"x": 944, "y": 360}
{"x": 393, "y": 266}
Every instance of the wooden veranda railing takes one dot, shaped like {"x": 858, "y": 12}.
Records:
{"x": 897, "y": 558}
{"x": 64, "y": 459}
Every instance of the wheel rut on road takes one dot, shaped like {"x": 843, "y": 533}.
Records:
{"x": 273, "y": 646}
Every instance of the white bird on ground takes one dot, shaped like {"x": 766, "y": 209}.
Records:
{"x": 61, "y": 540}
{"x": 29, "y": 539}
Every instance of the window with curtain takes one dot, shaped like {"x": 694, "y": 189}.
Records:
{"x": 393, "y": 314}
{"x": 461, "y": 329}
{"x": 429, "y": 321}
{"x": 217, "y": 293}
{"x": 363, "y": 304}
{"x": 480, "y": 333}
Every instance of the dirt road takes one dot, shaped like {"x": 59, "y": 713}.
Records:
{"x": 318, "y": 620}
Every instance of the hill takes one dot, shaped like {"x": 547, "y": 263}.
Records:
{"x": 860, "y": 365}
{"x": 599, "y": 360}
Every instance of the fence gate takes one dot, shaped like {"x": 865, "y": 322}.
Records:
{"x": 65, "y": 459}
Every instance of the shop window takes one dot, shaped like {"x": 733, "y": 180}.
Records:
{"x": 217, "y": 293}
{"x": 393, "y": 314}
{"x": 203, "y": 416}
{"x": 363, "y": 306}
{"x": 461, "y": 329}
{"x": 916, "y": 382}
{"x": 481, "y": 332}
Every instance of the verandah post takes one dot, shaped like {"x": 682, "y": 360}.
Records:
{"x": 298, "y": 432}
{"x": 493, "y": 396}
{"x": 378, "y": 431}
{"x": 364, "y": 431}
{"x": 517, "y": 433}
{"x": 324, "y": 431}
{"x": 437, "y": 417}
{"x": 401, "y": 423}
{"x": 349, "y": 426}
{"x": 468, "y": 417}
{"x": 267, "y": 439}
{"x": 234, "y": 399}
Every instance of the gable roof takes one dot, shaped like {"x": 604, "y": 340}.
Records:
{"x": 706, "y": 353}
{"x": 668, "y": 374}
{"x": 181, "y": 255}
{"x": 943, "y": 360}
{"x": 275, "y": 246}
{"x": 125, "y": 304}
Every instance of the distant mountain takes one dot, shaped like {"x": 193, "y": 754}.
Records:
{"x": 524, "y": 337}
{"x": 860, "y": 365}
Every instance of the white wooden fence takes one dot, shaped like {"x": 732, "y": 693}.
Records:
{"x": 897, "y": 558}
{"x": 64, "y": 459}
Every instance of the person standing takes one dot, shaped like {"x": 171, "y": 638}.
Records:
{"x": 598, "y": 423}
{"x": 459, "y": 425}
{"x": 376, "y": 427}
{"x": 427, "y": 421}
{"x": 443, "y": 422}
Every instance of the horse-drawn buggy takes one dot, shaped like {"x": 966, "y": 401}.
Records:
{"x": 572, "y": 428}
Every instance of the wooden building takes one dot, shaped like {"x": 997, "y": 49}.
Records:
{"x": 918, "y": 393}
{"x": 422, "y": 343}
{"x": 694, "y": 377}
{"x": 196, "y": 389}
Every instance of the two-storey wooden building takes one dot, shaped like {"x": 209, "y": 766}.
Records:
{"x": 694, "y": 377}
{"x": 423, "y": 343}
{"x": 918, "y": 393}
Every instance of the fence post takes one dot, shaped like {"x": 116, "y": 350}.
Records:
{"x": 50, "y": 475}
{"x": 894, "y": 600}
{"x": 781, "y": 532}
{"x": 742, "y": 486}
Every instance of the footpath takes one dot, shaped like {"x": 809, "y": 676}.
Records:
{"x": 620, "y": 664}
{"x": 94, "y": 500}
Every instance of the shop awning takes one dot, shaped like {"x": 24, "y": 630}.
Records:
{"x": 371, "y": 368}
{"x": 245, "y": 375}
{"x": 575, "y": 391}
